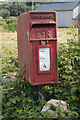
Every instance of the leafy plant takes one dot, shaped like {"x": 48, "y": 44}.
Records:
{"x": 18, "y": 99}
{"x": 10, "y": 24}
{"x": 67, "y": 88}
{"x": 5, "y": 13}
{"x": 18, "y": 96}
{"x": 16, "y": 8}
{"x": 9, "y": 61}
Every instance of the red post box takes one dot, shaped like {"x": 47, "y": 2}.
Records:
{"x": 37, "y": 47}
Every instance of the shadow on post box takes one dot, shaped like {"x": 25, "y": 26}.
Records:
{"x": 37, "y": 47}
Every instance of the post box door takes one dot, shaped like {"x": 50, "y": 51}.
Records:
{"x": 44, "y": 49}
{"x": 45, "y": 71}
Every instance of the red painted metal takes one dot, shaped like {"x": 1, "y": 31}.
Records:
{"x": 33, "y": 28}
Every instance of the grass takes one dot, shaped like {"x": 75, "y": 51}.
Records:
{"x": 62, "y": 34}
{"x": 8, "y": 41}
{"x": 11, "y": 37}
{"x": 9, "y": 55}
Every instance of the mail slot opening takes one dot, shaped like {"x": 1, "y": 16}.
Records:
{"x": 43, "y": 25}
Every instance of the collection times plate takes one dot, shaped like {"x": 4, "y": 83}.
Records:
{"x": 44, "y": 59}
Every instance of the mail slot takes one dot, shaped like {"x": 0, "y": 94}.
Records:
{"x": 37, "y": 47}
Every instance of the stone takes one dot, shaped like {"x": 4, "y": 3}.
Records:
{"x": 57, "y": 103}
{"x": 7, "y": 78}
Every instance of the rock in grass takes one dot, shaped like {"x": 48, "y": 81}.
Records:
{"x": 52, "y": 107}
{"x": 6, "y": 79}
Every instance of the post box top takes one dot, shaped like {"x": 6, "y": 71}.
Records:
{"x": 34, "y": 21}
{"x": 41, "y": 12}
{"x": 41, "y": 16}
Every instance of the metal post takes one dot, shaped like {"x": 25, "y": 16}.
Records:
{"x": 35, "y": 89}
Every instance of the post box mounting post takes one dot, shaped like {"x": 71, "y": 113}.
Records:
{"x": 37, "y": 92}
{"x": 35, "y": 95}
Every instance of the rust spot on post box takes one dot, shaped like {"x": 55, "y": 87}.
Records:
{"x": 37, "y": 47}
